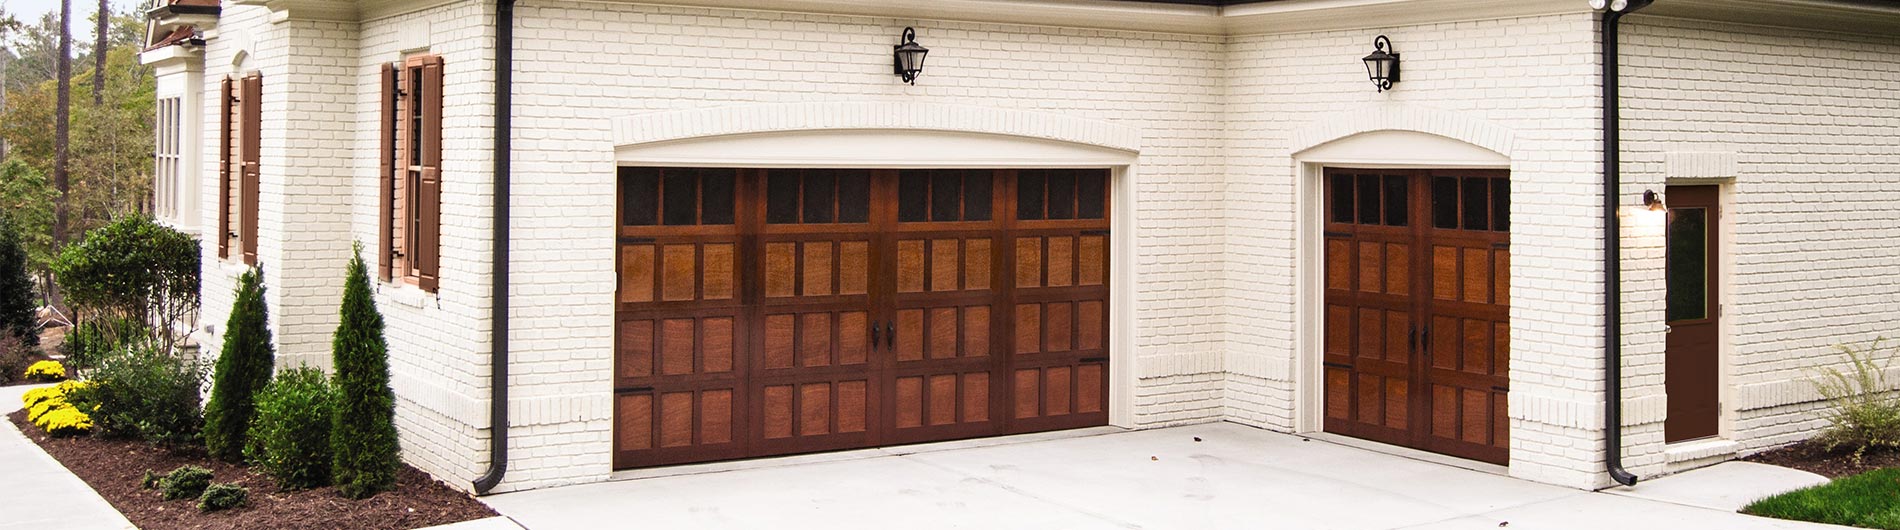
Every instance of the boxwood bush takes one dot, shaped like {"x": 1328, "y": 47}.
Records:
{"x": 290, "y": 437}
{"x": 141, "y": 393}
{"x": 222, "y": 497}
{"x": 186, "y": 482}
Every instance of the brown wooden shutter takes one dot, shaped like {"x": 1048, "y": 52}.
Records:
{"x": 386, "y": 181}
{"x": 429, "y": 193}
{"x": 224, "y": 169}
{"x": 252, "y": 101}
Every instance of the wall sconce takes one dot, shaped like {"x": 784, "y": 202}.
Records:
{"x": 1654, "y": 201}
{"x": 907, "y": 57}
{"x": 1382, "y": 66}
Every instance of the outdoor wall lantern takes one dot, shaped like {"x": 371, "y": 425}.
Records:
{"x": 1654, "y": 201}
{"x": 1382, "y": 66}
{"x": 908, "y": 57}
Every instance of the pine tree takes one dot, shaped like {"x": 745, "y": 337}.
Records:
{"x": 17, "y": 307}
{"x": 244, "y": 367}
{"x": 363, "y": 432}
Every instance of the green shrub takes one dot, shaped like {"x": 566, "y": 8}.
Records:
{"x": 133, "y": 268}
{"x": 18, "y": 306}
{"x": 150, "y": 479}
{"x": 222, "y": 497}
{"x": 363, "y": 429}
{"x": 1861, "y": 413}
{"x": 290, "y": 438}
{"x": 243, "y": 368}
{"x": 14, "y": 358}
{"x": 141, "y": 393}
{"x": 186, "y": 482}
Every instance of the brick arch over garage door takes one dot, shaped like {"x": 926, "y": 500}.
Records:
{"x": 881, "y": 278}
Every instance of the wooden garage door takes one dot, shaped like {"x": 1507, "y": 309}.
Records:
{"x": 1417, "y": 308}
{"x": 777, "y": 311}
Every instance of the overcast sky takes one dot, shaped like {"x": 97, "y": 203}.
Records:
{"x": 29, "y": 11}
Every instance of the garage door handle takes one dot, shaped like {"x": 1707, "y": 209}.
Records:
{"x": 874, "y": 336}
{"x": 890, "y": 336}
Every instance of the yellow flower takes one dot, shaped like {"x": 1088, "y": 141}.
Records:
{"x": 64, "y": 421}
{"x": 46, "y": 371}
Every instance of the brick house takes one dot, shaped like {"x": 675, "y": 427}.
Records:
{"x": 733, "y": 231}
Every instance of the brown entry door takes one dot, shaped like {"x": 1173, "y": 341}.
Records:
{"x": 778, "y": 311}
{"x": 1691, "y": 363}
{"x": 1417, "y": 311}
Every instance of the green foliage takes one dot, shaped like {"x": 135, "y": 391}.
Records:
{"x": 243, "y": 368}
{"x": 150, "y": 479}
{"x": 363, "y": 430}
{"x": 14, "y": 357}
{"x": 186, "y": 482}
{"x": 1867, "y": 500}
{"x": 98, "y": 338}
{"x": 222, "y": 497}
{"x": 140, "y": 393}
{"x": 290, "y": 438}
{"x": 27, "y": 197}
{"x": 133, "y": 268}
{"x": 18, "y": 305}
{"x": 1861, "y": 413}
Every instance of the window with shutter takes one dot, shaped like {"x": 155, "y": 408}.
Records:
{"x": 411, "y": 182}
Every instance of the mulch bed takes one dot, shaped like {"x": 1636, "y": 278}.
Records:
{"x": 1810, "y": 457}
{"x": 114, "y": 467}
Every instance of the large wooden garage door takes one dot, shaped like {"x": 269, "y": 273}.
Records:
{"x": 777, "y": 311}
{"x": 1417, "y": 308}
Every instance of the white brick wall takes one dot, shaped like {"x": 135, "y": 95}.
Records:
{"x": 1800, "y": 127}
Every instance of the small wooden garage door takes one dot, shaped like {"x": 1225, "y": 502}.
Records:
{"x": 777, "y": 311}
{"x": 1417, "y": 308}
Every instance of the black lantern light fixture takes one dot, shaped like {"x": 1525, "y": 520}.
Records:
{"x": 1654, "y": 201}
{"x": 907, "y": 57}
{"x": 1383, "y": 65}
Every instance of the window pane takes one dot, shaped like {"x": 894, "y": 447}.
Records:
{"x": 1477, "y": 210}
{"x": 1398, "y": 199}
{"x": 1368, "y": 199}
{"x": 1688, "y": 264}
{"x": 976, "y": 194}
{"x": 1062, "y": 194}
{"x": 1029, "y": 195}
{"x": 414, "y": 109}
{"x": 781, "y": 196}
{"x": 820, "y": 186}
{"x": 639, "y": 196}
{"x": 854, "y": 196}
{"x": 682, "y": 197}
{"x": 715, "y": 196}
{"x": 1445, "y": 202}
{"x": 1501, "y": 204}
{"x": 946, "y": 195}
{"x": 1092, "y": 195}
{"x": 1342, "y": 198}
{"x": 913, "y": 195}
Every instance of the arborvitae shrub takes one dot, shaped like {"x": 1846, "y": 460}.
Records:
{"x": 243, "y": 368}
{"x": 290, "y": 438}
{"x": 17, "y": 303}
{"x": 363, "y": 430}
{"x": 186, "y": 482}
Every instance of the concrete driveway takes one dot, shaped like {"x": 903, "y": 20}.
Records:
{"x": 1236, "y": 477}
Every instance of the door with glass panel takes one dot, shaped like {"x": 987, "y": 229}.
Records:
{"x": 1691, "y": 362}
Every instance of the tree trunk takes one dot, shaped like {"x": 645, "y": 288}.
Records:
{"x": 99, "y": 50}
{"x": 62, "y": 121}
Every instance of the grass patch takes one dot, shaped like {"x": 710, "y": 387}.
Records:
{"x": 1867, "y": 500}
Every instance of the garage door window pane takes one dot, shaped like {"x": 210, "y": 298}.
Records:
{"x": 781, "y": 197}
{"x": 946, "y": 194}
{"x": 1477, "y": 203}
{"x": 820, "y": 195}
{"x": 1062, "y": 194}
{"x": 913, "y": 196}
{"x": 1445, "y": 203}
{"x": 715, "y": 195}
{"x": 1092, "y": 195}
{"x": 682, "y": 197}
{"x": 1342, "y": 198}
{"x": 976, "y": 195}
{"x": 1029, "y": 194}
{"x": 639, "y": 196}
{"x": 854, "y": 196}
{"x": 1398, "y": 198}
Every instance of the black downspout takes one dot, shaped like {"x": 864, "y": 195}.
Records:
{"x": 1612, "y": 255}
{"x": 498, "y": 354}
